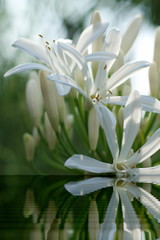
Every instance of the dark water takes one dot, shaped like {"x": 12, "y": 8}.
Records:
{"x": 46, "y": 208}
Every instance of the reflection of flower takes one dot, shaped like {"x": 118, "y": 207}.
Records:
{"x": 123, "y": 191}
{"x": 123, "y": 160}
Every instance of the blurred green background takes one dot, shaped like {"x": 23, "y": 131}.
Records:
{"x": 53, "y": 19}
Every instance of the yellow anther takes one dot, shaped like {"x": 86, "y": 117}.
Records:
{"x": 105, "y": 67}
{"x": 110, "y": 91}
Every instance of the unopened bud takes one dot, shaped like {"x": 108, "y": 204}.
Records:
{"x": 118, "y": 62}
{"x": 29, "y": 146}
{"x": 93, "y": 128}
{"x": 97, "y": 44}
{"x": 154, "y": 80}
{"x": 50, "y": 102}
{"x": 121, "y": 116}
{"x": 49, "y": 133}
{"x": 156, "y": 57}
{"x": 36, "y": 136}
{"x": 131, "y": 33}
{"x": 34, "y": 101}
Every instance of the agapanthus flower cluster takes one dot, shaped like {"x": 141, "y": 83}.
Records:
{"x": 83, "y": 106}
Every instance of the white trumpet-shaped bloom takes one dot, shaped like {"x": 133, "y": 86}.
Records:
{"x": 123, "y": 162}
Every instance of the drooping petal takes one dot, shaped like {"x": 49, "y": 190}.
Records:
{"x": 31, "y": 48}
{"x": 87, "y": 186}
{"x": 90, "y": 34}
{"x": 131, "y": 223}
{"x": 125, "y": 72}
{"x": 131, "y": 33}
{"x": 149, "y": 201}
{"x": 132, "y": 119}
{"x": 100, "y": 56}
{"x": 108, "y": 228}
{"x": 89, "y": 164}
{"x": 113, "y": 42}
{"x": 148, "y": 103}
{"x": 25, "y": 67}
{"x": 147, "y": 150}
{"x": 108, "y": 123}
{"x": 66, "y": 83}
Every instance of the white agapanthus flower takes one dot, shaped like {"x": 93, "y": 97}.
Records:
{"x": 69, "y": 64}
{"x": 53, "y": 57}
{"x": 123, "y": 160}
{"x": 123, "y": 189}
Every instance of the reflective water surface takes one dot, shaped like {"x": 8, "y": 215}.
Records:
{"x": 79, "y": 208}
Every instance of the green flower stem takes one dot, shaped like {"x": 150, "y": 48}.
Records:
{"x": 65, "y": 148}
{"x": 79, "y": 126}
{"x": 68, "y": 139}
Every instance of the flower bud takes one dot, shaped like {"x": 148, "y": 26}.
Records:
{"x": 93, "y": 128}
{"x": 121, "y": 116}
{"x": 131, "y": 33}
{"x": 34, "y": 101}
{"x": 29, "y": 146}
{"x": 36, "y": 136}
{"x": 50, "y": 101}
{"x": 118, "y": 62}
{"x": 49, "y": 133}
{"x": 154, "y": 80}
{"x": 97, "y": 44}
{"x": 156, "y": 57}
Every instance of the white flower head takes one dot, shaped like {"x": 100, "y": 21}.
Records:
{"x": 122, "y": 161}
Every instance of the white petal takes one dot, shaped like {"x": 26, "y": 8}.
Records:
{"x": 82, "y": 162}
{"x": 148, "y": 149}
{"x": 131, "y": 223}
{"x": 100, "y": 56}
{"x": 31, "y": 48}
{"x": 132, "y": 119}
{"x": 125, "y": 72}
{"x": 89, "y": 185}
{"x": 90, "y": 34}
{"x": 66, "y": 83}
{"x": 148, "y": 103}
{"x": 148, "y": 171}
{"x": 131, "y": 33}
{"x": 108, "y": 123}
{"x": 25, "y": 67}
{"x": 113, "y": 42}
{"x": 109, "y": 225}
